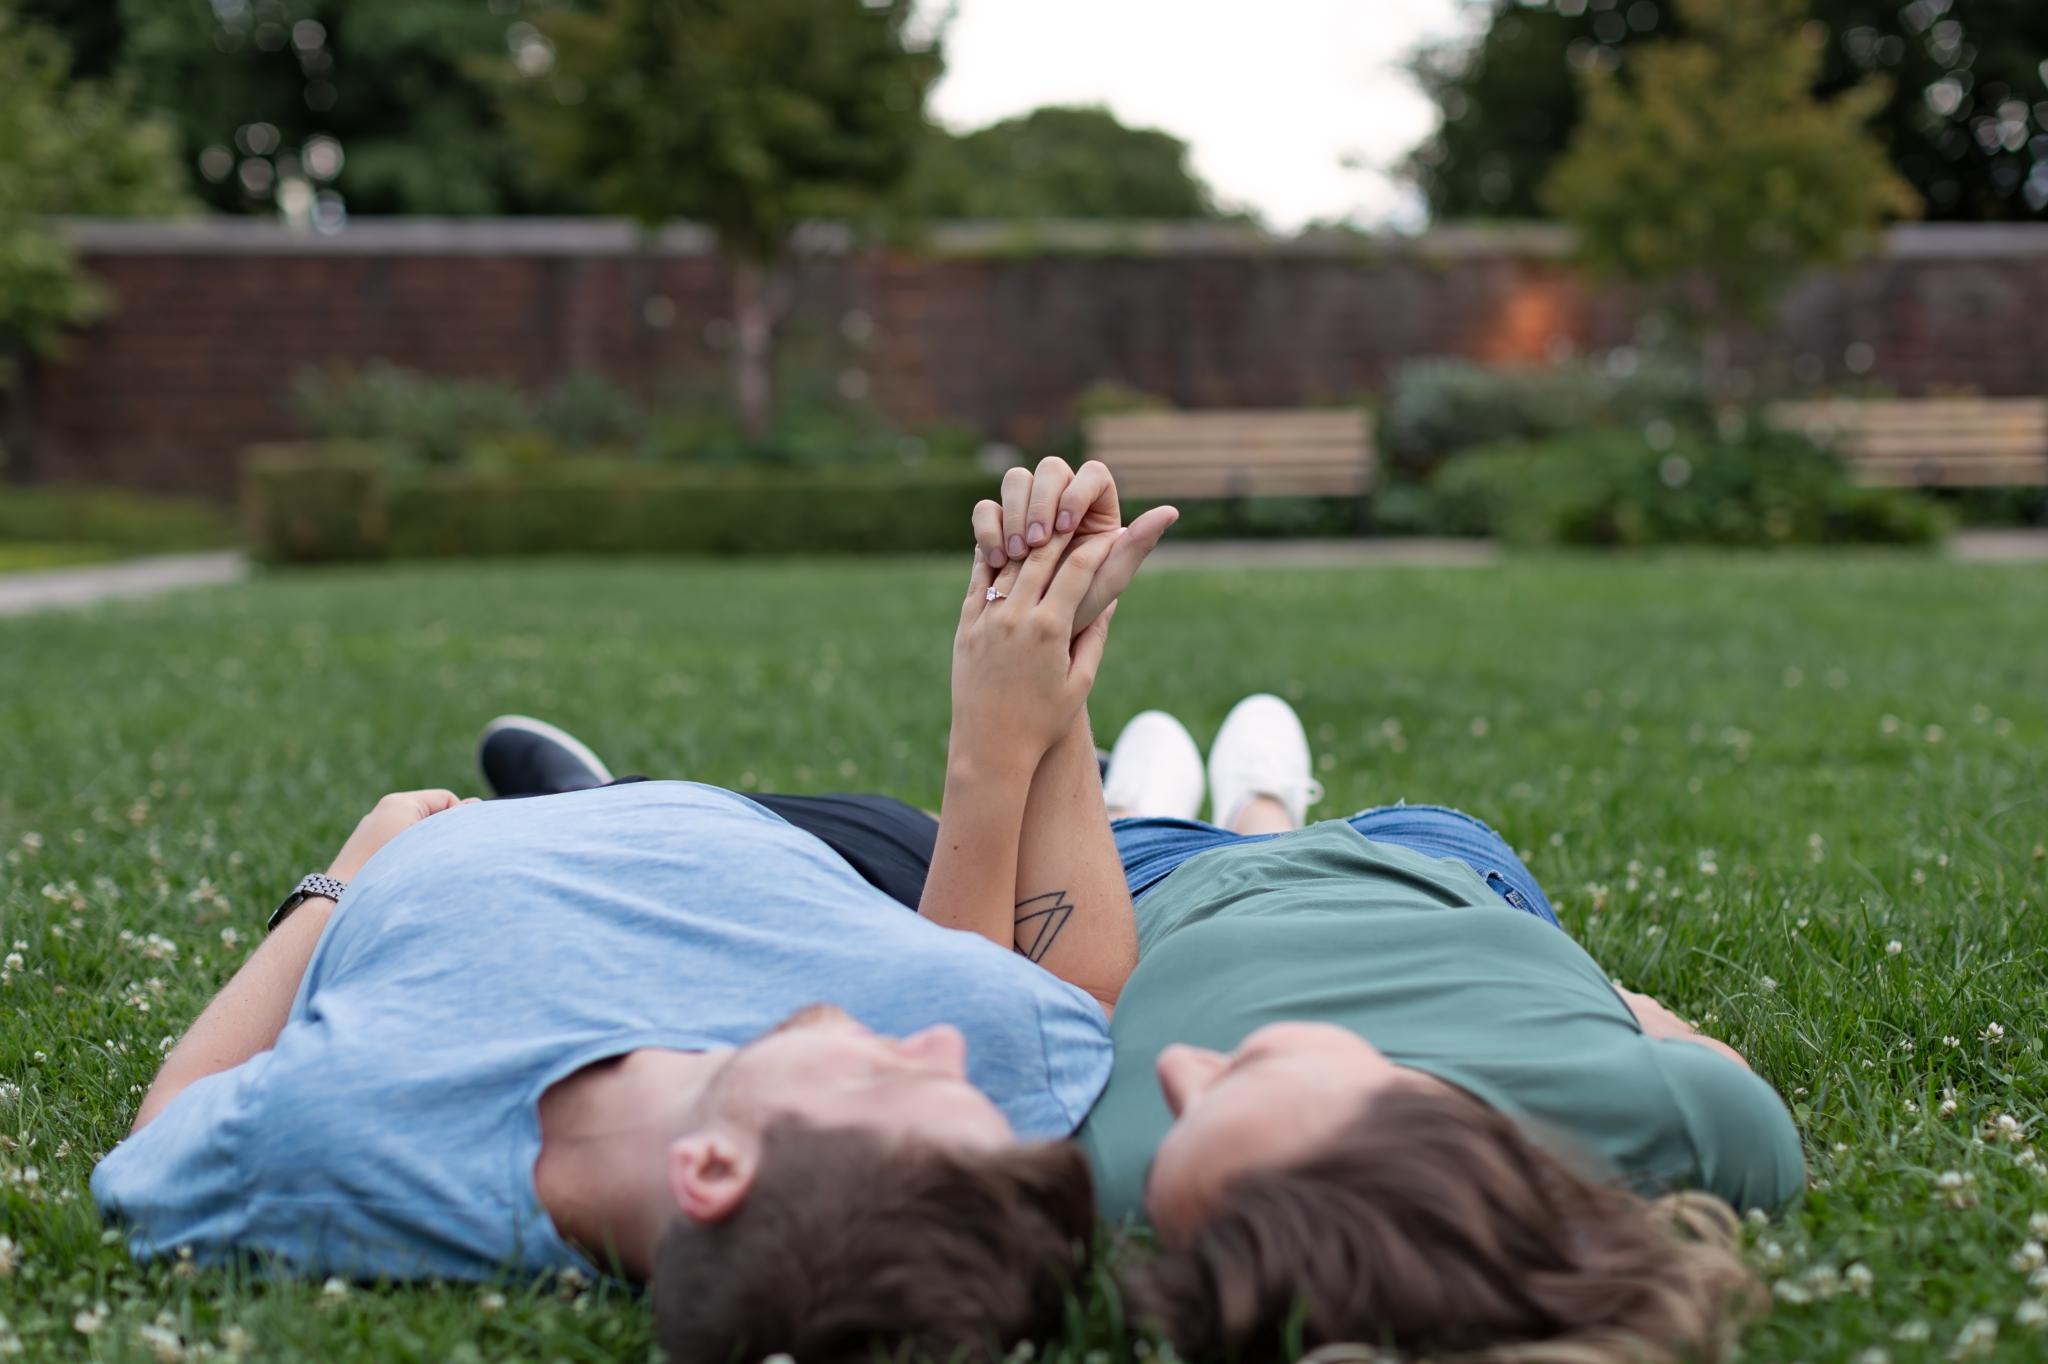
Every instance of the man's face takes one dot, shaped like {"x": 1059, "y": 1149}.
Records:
{"x": 825, "y": 1069}
{"x": 1288, "y": 1089}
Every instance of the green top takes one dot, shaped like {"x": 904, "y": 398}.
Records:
{"x": 1418, "y": 957}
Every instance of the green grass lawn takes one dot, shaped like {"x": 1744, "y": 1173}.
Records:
{"x": 1799, "y": 798}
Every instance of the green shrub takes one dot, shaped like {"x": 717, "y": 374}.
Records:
{"x": 1439, "y": 407}
{"x": 321, "y": 503}
{"x": 316, "y": 503}
{"x": 122, "y": 522}
{"x": 1613, "y": 489}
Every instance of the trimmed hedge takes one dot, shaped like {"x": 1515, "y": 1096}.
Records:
{"x": 110, "y": 518}
{"x": 328, "y": 503}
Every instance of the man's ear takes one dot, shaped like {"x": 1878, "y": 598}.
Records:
{"x": 710, "y": 1172}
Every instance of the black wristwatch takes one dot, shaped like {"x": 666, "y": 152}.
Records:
{"x": 313, "y": 885}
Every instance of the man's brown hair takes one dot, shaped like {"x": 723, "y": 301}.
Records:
{"x": 1433, "y": 1226}
{"x": 845, "y": 1244}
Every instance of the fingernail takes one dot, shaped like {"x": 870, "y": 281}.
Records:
{"x": 979, "y": 557}
{"x": 1035, "y": 533}
{"x": 1016, "y": 546}
{"x": 1064, "y": 522}
{"x": 996, "y": 558}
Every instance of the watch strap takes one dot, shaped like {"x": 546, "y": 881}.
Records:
{"x": 315, "y": 884}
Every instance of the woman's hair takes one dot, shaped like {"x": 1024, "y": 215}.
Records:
{"x": 848, "y": 1249}
{"x": 1432, "y": 1225}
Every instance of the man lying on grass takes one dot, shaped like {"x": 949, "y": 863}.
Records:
{"x": 658, "y": 1024}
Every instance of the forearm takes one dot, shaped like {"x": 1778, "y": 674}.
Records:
{"x": 974, "y": 863}
{"x": 1073, "y": 905}
{"x": 247, "y": 1015}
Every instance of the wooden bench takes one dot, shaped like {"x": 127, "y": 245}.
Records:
{"x": 1929, "y": 442}
{"x": 1227, "y": 453}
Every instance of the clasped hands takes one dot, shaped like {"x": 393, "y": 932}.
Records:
{"x": 1056, "y": 551}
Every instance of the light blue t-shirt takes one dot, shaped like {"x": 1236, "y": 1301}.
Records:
{"x": 492, "y": 950}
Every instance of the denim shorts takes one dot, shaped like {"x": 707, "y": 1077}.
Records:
{"x": 1153, "y": 848}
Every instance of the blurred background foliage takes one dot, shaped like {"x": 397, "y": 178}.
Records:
{"x": 1059, "y": 163}
{"x": 1512, "y": 100}
{"x": 413, "y": 90}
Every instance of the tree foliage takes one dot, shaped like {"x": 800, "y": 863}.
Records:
{"x": 748, "y": 115}
{"x": 407, "y": 87}
{"x": 1059, "y": 163}
{"x": 1712, "y": 155}
{"x": 1511, "y": 99}
{"x": 65, "y": 148}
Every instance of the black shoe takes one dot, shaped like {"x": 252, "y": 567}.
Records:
{"x": 522, "y": 756}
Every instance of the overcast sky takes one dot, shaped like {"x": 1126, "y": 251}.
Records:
{"x": 1273, "y": 95}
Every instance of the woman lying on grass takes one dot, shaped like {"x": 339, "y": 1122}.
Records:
{"x": 1366, "y": 1089}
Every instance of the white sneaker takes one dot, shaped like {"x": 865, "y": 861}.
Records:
{"x": 1261, "y": 750}
{"x": 1155, "y": 769}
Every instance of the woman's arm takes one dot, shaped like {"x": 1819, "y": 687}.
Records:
{"x": 1659, "y": 1022}
{"x": 1073, "y": 914}
{"x": 250, "y": 1011}
{"x": 1020, "y": 680}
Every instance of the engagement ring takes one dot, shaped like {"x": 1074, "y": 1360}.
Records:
{"x": 994, "y": 595}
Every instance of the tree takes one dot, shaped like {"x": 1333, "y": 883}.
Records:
{"x": 1713, "y": 158}
{"x": 65, "y": 148}
{"x": 751, "y": 116}
{"x": 1059, "y": 163}
{"x": 1956, "y": 124}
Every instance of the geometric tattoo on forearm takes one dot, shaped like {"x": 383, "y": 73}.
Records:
{"x": 1039, "y": 921}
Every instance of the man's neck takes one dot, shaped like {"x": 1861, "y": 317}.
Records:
{"x": 605, "y": 1134}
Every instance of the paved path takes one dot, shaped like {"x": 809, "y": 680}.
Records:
{"x": 21, "y": 593}
{"x": 1999, "y": 546}
{"x": 1323, "y": 553}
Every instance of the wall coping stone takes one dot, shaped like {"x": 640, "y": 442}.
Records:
{"x": 225, "y": 235}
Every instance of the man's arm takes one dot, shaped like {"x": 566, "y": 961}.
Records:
{"x": 250, "y": 1011}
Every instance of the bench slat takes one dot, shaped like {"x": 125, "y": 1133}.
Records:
{"x": 1932, "y": 441}
{"x": 1235, "y": 453}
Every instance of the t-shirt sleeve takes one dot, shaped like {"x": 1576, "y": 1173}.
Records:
{"x": 180, "y": 1180}
{"x": 1743, "y": 1139}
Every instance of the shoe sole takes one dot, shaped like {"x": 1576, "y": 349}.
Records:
{"x": 529, "y": 725}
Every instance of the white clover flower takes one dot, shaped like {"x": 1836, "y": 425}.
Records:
{"x": 1876, "y": 1354}
{"x": 1977, "y": 1339}
{"x": 89, "y": 1323}
{"x": 1912, "y": 1107}
{"x": 2028, "y": 1257}
{"x": 1894, "y": 947}
{"x": 2039, "y": 1278}
{"x": 1912, "y": 1331}
{"x": 2031, "y": 1314}
{"x": 334, "y": 1288}
{"x": 1949, "y": 1179}
{"x": 1858, "y": 1279}
{"x": 163, "y": 1342}
{"x": 10, "y": 1256}
{"x": 491, "y": 1302}
{"x": 2037, "y": 1225}
{"x": 1791, "y": 1291}
{"x": 1948, "y": 1041}
{"x": 1768, "y": 984}
{"x": 13, "y": 961}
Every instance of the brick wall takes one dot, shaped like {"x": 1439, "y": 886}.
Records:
{"x": 996, "y": 327}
